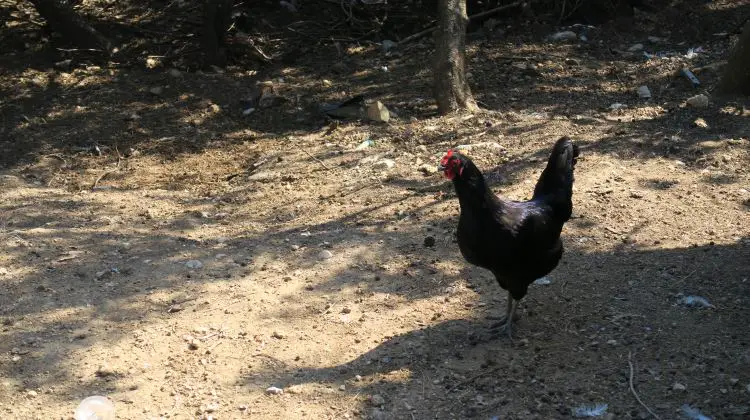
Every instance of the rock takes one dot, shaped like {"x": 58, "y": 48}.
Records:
{"x": 679, "y": 387}
{"x": 376, "y": 111}
{"x": 617, "y": 105}
{"x": 700, "y": 122}
{"x": 635, "y": 48}
{"x": 636, "y": 194}
{"x": 194, "y": 264}
{"x": 358, "y": 378}
{"x": 543, "y": 281}
{"x": 572, "y": 62}
{"x": 384, "y": 164}
{"x": 31, "y": 393}
{"x": 429, "y": 241}
{"x": 388, "y": 45}
{"x": 342, "y": 388}
{"x": 272, "y": 390}
{"x": 325, "y": 254}
{"x": 175, "y": 73}
{"x": 563, "y": 36}
{"x": 156, "y": 90}
{"x": 193, "y": 344}
{"x": 428, "y": 169}
{"x": 278, "y": 335}
{"x": 644, "y": 92}
{"x": 377, "y": 400}
{"x": 698, "y": 101}
{"x": 346, "y": 310}
{"x": 105, "y": 371}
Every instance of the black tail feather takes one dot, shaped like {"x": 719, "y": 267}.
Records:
{"x": 556, "y": 182}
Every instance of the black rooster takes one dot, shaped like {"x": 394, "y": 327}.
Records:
{"x": 518, "y": 241}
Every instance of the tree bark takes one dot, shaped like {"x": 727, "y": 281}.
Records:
{"x": 736, "y": 77}
{"x": 217, "y": 17}
{"x": 452, "y": 91}
{"x": 61, "y": 18}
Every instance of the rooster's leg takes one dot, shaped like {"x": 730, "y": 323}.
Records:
{"x": 504, "y": 320}
{"x": 507, "y": 327}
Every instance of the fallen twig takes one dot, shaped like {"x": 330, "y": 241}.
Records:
{"x": 93, "y": 187}
{"x": 319, "y": 161}
{"x": 477, "y": 16}
{"x": 632, "y": 388}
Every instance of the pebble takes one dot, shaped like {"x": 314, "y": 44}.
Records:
{"x": 564, "y": 36}
{"x": 644, "y": 92}
{"x": 156, "y": 90}
{"x": 342, "y": 388}
{"x": 193, "y": 344}
{"x": 278, "y": 334}
{"x": 700, "y": 122}
{"x": 174, "y": 73}
{"x": 31, "y": 393}
{"x": 346, "y": 310}
{"x": 272, "y": 390}
{"x": 428, "y": 169}
{"x": 325, "y": 254}
{"x": 617, "y": 105}
{"x": 358, "y": 378}
{"x": 193, "y": 264}
{"x": 429, "y": 241}
{"x": 698, "y": 101}
{"x": 388, "y": 45}
{"x": 679, "y": 387}
{"x": 384, "y": 164}
{"x": 635, "y": 47}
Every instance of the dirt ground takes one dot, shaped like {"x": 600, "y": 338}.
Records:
{"x": 165, "y": 250}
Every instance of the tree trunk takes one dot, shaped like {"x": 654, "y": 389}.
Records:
{"x": 736, "y": 77}
{"x": 217, "y": 17}
{"x": 61, "y": 18}
{"x": 451, "y": 88}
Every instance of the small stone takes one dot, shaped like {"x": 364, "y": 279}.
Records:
{"x": 242, "y": 407}
{"x": 376, "y": 111}
{"x": 325, "y": 254}
{"x": 655, "y": 39}
{"x": 210, "y": 408}
{"x": 346, "y": 310}
{"x": 564, "y": 36}
{"x": 428, "y": 169}
{"x": 272, "y": 390}
{"x": 388, "y": 45}
{"x": 734, "y": 381}
{"x": 644, "y": 92}
{"x": 193, "y": 264}
{"x": 617, "y": 105}
{"x": 429, "y": 241}
{"x": 278, "y": 335}
{"x": 105, "y": 371}
{"x": 700, "y": 122}
{"x": 342, "y": 388}
{"x": 636, "y": 194}
{"x": 384, "y": 164}
{"x": 377, "y": 400}
{"x": 635, "y": 48}
{"x": 698, "y": 101}
{"x": 612, "y": 342}
{"x": 31, "y": 393}
{"x": 193, "y": 344}
{"x": 572, "y": 62}
{"x": 358, "y": 378}
{"x": 156, "y": 90}
{"x": 679, "y": 387}
{"x": 15, "y": 358}
{"x": 174, "y": 73}
{"x": 294, "y": 247}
